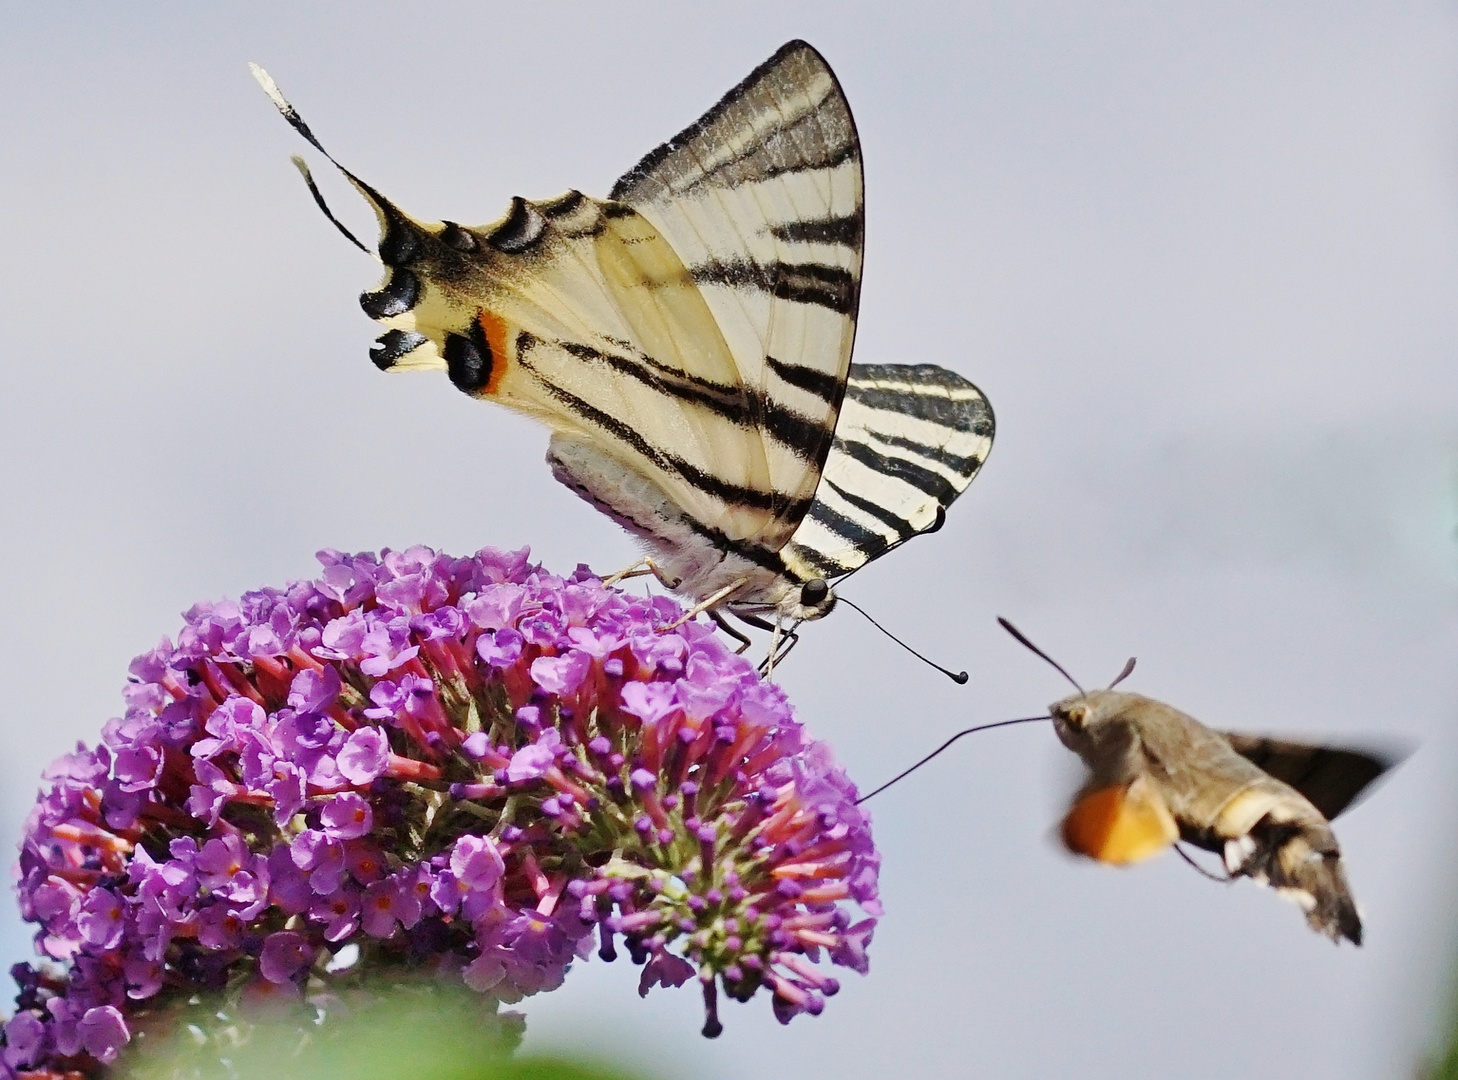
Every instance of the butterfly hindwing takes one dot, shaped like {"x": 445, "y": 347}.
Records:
{"x": 910, "y": 440}
{"x": 697, "y": 324}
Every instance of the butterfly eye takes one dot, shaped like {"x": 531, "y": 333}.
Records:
{"x": 814, "y": 592}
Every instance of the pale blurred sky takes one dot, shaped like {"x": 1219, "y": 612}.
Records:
{"x": 1202, "y": 258}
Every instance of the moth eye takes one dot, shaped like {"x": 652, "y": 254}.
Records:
{"x": 1077, "y": 714}
{"x": 813, "y": 592}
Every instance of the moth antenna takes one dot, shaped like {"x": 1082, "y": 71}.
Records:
{"x": 937, "y": 523}
{"x": 319, "y": 201}
{"x": 1015, "y": 632}
{"x": 958, "y": 677}
{"x": 970, "y": 731}
{"x": 1128, "y": 670}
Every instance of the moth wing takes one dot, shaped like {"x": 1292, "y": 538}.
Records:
{"x": 1331, "y": 778}
{"x": 1121, "y": 824}
{"x": 909, "y": 441}
{"x": 762, "y": 199}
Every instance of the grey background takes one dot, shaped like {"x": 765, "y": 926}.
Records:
{"x": 1202, "y": 259}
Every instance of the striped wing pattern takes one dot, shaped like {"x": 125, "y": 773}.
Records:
{"x": 697, "y": 325}
{"x": 762, "y": 198}
{"x": 910, "y": 440}
{"x": 688, "y": 340}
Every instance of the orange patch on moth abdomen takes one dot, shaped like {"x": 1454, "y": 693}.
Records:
{"x": 1124, "y": 824}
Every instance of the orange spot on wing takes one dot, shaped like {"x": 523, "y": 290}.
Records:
{"x": 498, "y": 337}
{"x": 1120, "y": 824}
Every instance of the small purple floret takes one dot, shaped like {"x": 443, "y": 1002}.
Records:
{"x": 454, "y": 765}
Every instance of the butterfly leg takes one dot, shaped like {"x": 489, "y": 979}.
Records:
{"x": 723, "y": 624}
{"x": 780, "y": 646}
{"x": 638, "y": 569}
{"x": 707, "y": 604}
{"x": 641, "y": 568}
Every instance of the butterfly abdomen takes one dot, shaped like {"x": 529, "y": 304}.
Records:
{"x": 699, "y": 558}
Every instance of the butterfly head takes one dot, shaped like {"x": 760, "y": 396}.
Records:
{"x": 812, "y": 600}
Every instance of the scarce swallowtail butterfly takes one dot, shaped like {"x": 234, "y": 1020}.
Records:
{"x": 688, "y": 340}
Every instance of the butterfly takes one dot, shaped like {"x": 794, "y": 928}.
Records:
{"x": 1157, "y": 775}
{"x": 688, "y": 341}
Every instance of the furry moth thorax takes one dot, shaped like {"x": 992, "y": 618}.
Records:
{"x": 1158, "y": 775}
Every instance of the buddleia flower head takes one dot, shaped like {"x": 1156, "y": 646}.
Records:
{"x": 466, "y": 767}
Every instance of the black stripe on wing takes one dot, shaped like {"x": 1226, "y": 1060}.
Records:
{"x": 792, "y": 430}
{"x": 730, "y": 494}
{"x": 845, "y": 231}
{"x": 910, "y": 440}
{"x": 918, "y": 476}
{"x": 822, "y": 384}
{"x": 895, "y": 522}
{"x": 807, "y": 142}
{"x": 832, "y": 287}
{"x": 962, "y": 466}
{"x": 923, "y": 391}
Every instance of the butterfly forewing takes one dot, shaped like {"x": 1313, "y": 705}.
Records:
{"x": 909, "y": 441}
{"x": 762, "y": 199}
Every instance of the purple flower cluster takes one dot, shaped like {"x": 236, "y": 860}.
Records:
{"x": 441, "y": 764}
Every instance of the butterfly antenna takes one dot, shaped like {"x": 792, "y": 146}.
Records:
{"x": 1128, "y": 670}
{"x": 296, "y": 121}
{"x": 970, "y": 731}
{"x": 958, "y": 677}
{"x": 1015, "y": 632}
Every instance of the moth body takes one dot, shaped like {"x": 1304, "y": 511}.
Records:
{"x": 1157, "y": 775}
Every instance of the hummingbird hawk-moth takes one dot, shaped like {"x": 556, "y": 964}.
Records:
{"x": 1157, "y": 776}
